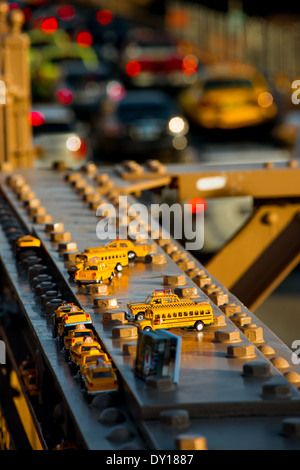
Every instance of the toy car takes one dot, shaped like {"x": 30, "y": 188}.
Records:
{"x": 31, "y": 384}
{"x": 77, "y": 335}
{"x": 163, "y": 297}
{"x": 92, "y": 273}
{"x": 77, "y": 353}
{"x": 27, "y": 367}
{"x": 133, "y": 250}
{"x": 70, "y": 320}
{"x": 183, "y": 314}
{"x": 98, "y": 378}
{"x": 59, "y": 314}
{"x": 117, "y": 258}
{"x": 26, "y": 242}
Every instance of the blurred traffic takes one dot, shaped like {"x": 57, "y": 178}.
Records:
{"x": 141, "y": 90}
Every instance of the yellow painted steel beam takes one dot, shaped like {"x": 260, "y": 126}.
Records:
{"x": 261, "y": 254}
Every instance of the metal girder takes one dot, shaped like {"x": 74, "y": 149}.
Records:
{"x": 261, "y": 254}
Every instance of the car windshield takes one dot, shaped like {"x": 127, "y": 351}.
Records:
{"x": 232, "y": 83}
{"x": 102, "y": 375}
{"x": 132, "y": 112}
{"x": 80, "y": 258}
{"x": 53, "y": 127}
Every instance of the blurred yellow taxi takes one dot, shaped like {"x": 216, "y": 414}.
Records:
{"x": 229, "y": 97}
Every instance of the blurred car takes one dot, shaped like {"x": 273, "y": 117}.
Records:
{"x": 150, "y": 57}
{"x": 85, "y": 87}
{"x": 58, "y": 137}
{"x": 287, "y": 132}
{"x": 141, "y": 123}
{"x": 229, "y": 97}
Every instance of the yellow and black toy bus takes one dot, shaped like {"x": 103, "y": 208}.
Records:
{"x": 189, "y": 315}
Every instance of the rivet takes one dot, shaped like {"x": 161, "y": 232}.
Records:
{"x": 175, "y": 418}
{"x": 291, "y": 427}
{"x": 280, "y": 363}
{"x": 256, "y": 369}
{"x": 276, "y": 390}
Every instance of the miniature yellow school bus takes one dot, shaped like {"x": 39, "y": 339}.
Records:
{"x": 188, "y": 315}
{"x": 117, "y": 258}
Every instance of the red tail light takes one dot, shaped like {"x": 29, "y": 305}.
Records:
{"x": 133, "y": 68}
{"x": 66, "y": 317}
{"x": 73, "y": 340}
{"x": 197, "y": 205}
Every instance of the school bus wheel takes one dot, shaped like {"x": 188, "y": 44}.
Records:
{"x": 199, "y": 326}
{"x": 131, "y": 255}
{"x": 147, "y": 328}
{"x": 119, "y": 267}
{"x": 140, "y": 316}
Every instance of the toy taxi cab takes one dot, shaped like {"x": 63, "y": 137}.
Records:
{"x": 111, "y": 254}
{"x": 70, "y": 320}
{"x": 77, "y": 335}
{"x": 133, "y": 250}
{"x": 27, "y": 367}
{"x": 60, "y": 312}
{"x": 91, "y": 359}
{"x": 94, "y": 273}
{"x": 31, "y": 384}
{"x": 182, "y": 314}
{"x": 163, "y": 297}
{"x": 98, "y": 378}
{"x": 27, "y": 242}
{"x": 88, "y": 346}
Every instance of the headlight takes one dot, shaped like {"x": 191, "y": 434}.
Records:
{"x": 177, "y": 125}
{"x": 265, "y": 99}
{"x": 73, "y": 143}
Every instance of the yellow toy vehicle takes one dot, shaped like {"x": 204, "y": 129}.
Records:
{"x": 92, "y": 273}
{"x": 112, "y": 256}
{"x": 77, "y": 353}
{"x": 77, "y": 335}
{"x": 92, "y": 358}
{"x": 25, "y": 243}
{"x": 163, "y": 297}
{"x": 31, "y": 384}
{"x": 133, "y": 251}
{"x": 70, "y": 320}
{"x": 98, "y": 378}
{"x": 27, "y": 367}
{"x": 185, "y": 314}
{"x": 60, "y": 312}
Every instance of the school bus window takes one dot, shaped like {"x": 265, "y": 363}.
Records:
{"x": 169, "y": 315}
{"x": 191, "y": 313}
{"x": 202, "y": 312}
{"x": 185, "y": 314}
{"x": 175, "y": 315}
{"x": 156, "y": 317}
{"x": 163, "y": 316}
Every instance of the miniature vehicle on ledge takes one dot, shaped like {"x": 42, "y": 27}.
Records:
{"x": 27, "y": 242}
{"x": 163, "y": 297}
{"x": 88, "y": 346}
{"x": 110, "y": 254}
{"x": 70, "y": 320}
{"x": 77, "y": 335}
{"x": 94, "y": 273}
{"x": 60, "y": 312}
{"x": 133, "y": 250}
{"x": 31, "y": 384}
{"x": 187, "y": 314}
{"x": 99, "y": 378}
{"x": 27, "y": 367}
